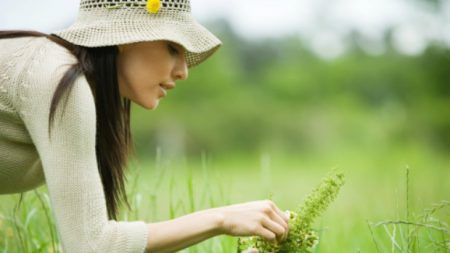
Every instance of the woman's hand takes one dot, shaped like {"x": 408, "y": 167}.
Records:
{"x": 257, "y": 218}
{"x": 251, "y": 250}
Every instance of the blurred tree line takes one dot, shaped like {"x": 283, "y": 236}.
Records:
{"x": 275, "y": 94}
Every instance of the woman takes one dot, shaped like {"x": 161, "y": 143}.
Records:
{"x": 116, "y": 52}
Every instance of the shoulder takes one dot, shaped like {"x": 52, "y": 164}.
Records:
{"x": 52, "y": 56}
{"x": 29, "y": 48}
{"x": 35, "y": 61}
{"x": 42, "y": 77}
{"x": 48, "y": 65}
{"x": 34, "y": 67}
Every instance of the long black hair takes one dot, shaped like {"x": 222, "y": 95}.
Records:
{"x": 113, "y": 140}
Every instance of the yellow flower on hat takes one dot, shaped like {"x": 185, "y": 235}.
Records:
{"x": 153, "y": 6}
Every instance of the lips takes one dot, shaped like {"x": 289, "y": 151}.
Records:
{"x": 165, "y": 87}
{"x": 168, "y": 86}
{"x": 163, "y": 92}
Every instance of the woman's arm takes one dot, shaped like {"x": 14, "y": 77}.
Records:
{"x": 182, "y": 232}
{"x": 69, "y": 160}
{"x": 262, "y": 218}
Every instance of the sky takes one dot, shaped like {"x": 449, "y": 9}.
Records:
{"x": 324, "y": 24}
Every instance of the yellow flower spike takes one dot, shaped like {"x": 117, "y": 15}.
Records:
{"x": 153, "y": 6}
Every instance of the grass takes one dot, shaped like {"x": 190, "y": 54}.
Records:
{"x": 379, "y": 210}
{"x": 427, "y": 232}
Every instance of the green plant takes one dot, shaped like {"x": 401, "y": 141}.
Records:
{"x": 301, "y": 237}
{"x": 426, "y": 232}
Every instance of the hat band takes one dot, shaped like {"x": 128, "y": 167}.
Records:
{"x": 174, "y": 5}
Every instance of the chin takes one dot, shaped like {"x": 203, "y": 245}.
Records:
{"x": 152, "y": 105}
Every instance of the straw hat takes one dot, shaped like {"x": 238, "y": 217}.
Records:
{"x": 114, "y": 22}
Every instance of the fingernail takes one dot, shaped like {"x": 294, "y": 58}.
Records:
{"x": 287, "y": 214}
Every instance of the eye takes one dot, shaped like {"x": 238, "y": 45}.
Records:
{"x": 172, "y": 49}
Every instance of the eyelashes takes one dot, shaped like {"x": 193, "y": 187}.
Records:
{"x": 172, "y": 50}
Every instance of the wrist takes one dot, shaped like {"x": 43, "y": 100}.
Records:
{"x": 217, "y": 220}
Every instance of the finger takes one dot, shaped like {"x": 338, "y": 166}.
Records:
{"x": 267, "y": 234}
{"x": 279, "y": 219}
{"x": 251, "y": 250}
{"x": 282, "y": 214}
{"x": 275, "y": 211}
{"x": 276, "y": 228}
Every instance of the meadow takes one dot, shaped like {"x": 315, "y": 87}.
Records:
{"x": 268, "y": 119}
{"x": 161, "y": 189}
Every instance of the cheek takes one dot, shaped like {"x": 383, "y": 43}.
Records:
{"x": 143, "y": 71}
{"x": 140, "y": 76}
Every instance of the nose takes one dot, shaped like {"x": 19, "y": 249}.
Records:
{"x": 181, "y": 71}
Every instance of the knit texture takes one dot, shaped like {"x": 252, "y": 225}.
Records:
{"x": 106, "y": 22}
{"x": 30, "y": 69}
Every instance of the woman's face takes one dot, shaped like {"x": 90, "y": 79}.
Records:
{"x": 146, "y": 70}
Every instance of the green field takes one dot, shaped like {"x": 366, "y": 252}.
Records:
{"x": 268, "y": 118}
{"x": 375, "y": 191}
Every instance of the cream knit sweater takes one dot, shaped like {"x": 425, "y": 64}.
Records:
{"x": 30, "y": 69}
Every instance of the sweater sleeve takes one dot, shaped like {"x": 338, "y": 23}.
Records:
{"x": 70, "y": 167}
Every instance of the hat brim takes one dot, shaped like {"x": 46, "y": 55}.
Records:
{"x": 197, "y": 40}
